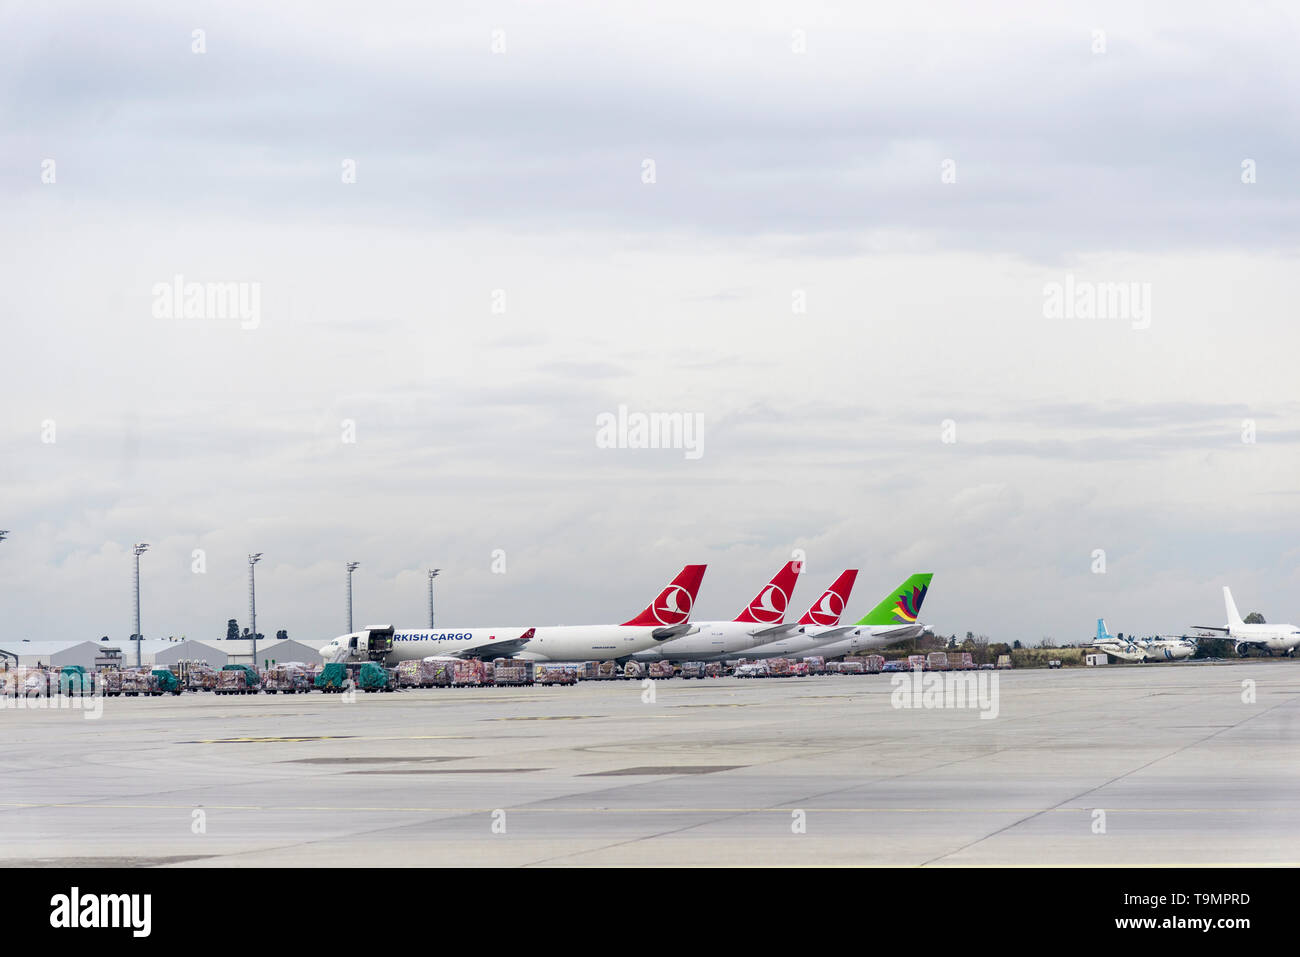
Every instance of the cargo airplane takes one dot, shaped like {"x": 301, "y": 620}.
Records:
{"x": 1270, "y": 638}
{"x": 714, "y": 640}
{"x": 668, "y": 616}
{"x": 1163, "y": 648}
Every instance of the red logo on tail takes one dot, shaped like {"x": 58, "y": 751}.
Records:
{"x": 768, "y": 606}
{"x": 673, "y": 605}
{"x": 826, "y": 611}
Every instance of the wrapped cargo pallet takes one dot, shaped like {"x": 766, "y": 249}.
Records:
{"x": 556, "y": 675}
{"x": 304, "y": 678}
{"x": 373, "y": 677}
{"x": 693, "y": 669}
{"x": 513, "y": 671}
{"x": 634, "y": 669}
{"x": 875, "y": 664}
{"x": 135, "y": 683}
{"x": 437, "y": 672}
{"x": 74, "y": 680}
{"x": 816, "y": 665}
{"x": 112, "y": 682}
{"x": 471, "y": 673}
{"x": 778, "y": 667}
{"x": 852, "y": 668}
{"x": 332, "y": 678}
{"x": 232, "y": 682}
{"x": 252, "y": 679}
{"x": 201, "y": 679}
{"x": 713, "y": 669}
{"x": 408, "y": 673}
{"x": 661, "y": 669}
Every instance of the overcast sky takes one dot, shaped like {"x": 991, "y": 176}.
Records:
{"x": 916, "y": 174}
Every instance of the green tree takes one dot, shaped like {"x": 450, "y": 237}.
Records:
{"x": 232, "y": 629}
{"x": 1254, "y": 618}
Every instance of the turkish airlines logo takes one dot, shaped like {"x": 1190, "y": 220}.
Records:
{"x": 828, "y": 610}
{"x": 769, "y": 606}
{"x": 673, "y": 606}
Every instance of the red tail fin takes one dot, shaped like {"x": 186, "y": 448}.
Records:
{"x": 827, "y": 609}
{"x": 673, "y": 605}
{"x": 768, "y": 606}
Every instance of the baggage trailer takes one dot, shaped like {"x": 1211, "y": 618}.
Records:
{"x": 234, "y": 681}
{"x": 778, "y": 668}
{"x": 513, "y": 672}
{"x": 470, "y": 673}
{"x": 201, "y": 679}
{"x": 252, "y": 678}
{"x": 141, "y": 682}
{"x": 556, "y": 675}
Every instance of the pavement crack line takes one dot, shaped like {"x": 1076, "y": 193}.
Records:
{"x": 1104, "y": 784}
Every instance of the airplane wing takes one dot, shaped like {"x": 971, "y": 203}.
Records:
{"x": 773, "y": 630}
{"x": 1211, "y": 628}
{"x": 835, "y": 632}
{"x": 506, "y": 648}
{"x": 893, "y": 632}
{"x": 675, "y": 631}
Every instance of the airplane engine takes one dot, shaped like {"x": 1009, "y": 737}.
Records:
{"x": 1242, "y": 649}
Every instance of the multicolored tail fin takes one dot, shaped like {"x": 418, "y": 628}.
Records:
{"x": 769, "y": 605}
{"x": 902, "y": 605}
{"x": 827, "y": 609}
{"x": 1102, "y": 633}
{"x": 673, "y": 605}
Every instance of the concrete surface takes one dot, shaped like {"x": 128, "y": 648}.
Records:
{"x": 710, "y": 772}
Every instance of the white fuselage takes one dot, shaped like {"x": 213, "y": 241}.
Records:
{"x": 814, "y": 642}
{"x": 588, "y": 642}
{"x": 1147, "y": 649}
{"x": 551, "y": 643}
{"x": 713, "y": 641}
{"x": 1272, "y": 637}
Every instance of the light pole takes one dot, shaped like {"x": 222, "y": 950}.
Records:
{"x": 139, "y": 548}
{"x": 352, "y": 566}
{"x": 252, "y": 602}
{"x": 433, "y": 573}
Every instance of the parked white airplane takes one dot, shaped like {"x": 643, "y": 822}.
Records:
{"x": 1270, "y": 638}
{"x": 717, "y": 639}
{"x": 893, "y": 619}
{"x": 779, "y": 641}
{"x": 1163, "y": 648}
{"x": 668, "y": 616}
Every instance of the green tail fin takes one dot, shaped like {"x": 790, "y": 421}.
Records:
{"x": 902, "y": 605}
